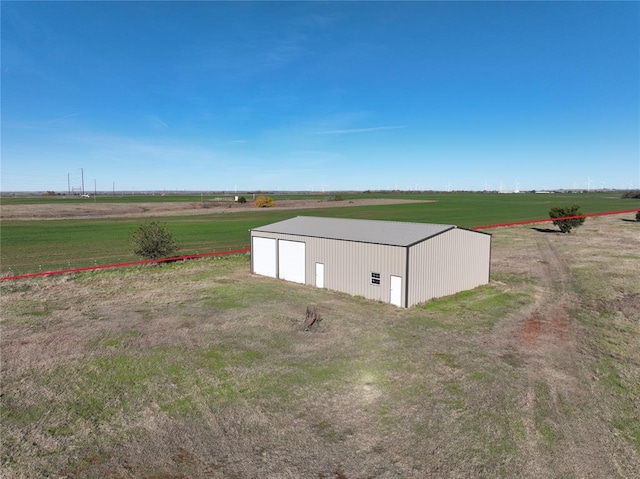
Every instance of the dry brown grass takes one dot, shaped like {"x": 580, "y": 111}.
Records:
{"x": 89, "y": 209}
{"x": 203, "y": 370}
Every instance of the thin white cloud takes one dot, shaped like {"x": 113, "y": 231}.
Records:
{"x": 62, "y": 118}
{"x": 359, "y": 130}
{"x": 317, "y": 20}
{"x": 157, "y": 122}
{"x": 248, "y": 59}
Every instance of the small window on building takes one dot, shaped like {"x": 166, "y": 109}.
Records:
{"x": 375, "y": 278}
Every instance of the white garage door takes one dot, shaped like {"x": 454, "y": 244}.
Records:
{"x": 263, "y": 255}
{"x": 291, "y": 261}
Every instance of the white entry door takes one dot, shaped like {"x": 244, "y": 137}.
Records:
{"x": 291, "y": 260}
{"x": 319, "y": 275}
{"x": 395, "y": 297}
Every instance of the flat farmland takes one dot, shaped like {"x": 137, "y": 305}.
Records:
{"x": 201, "y": 369}
{"x": 49, "y": 233}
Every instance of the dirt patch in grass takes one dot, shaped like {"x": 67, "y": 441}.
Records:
{"x": 113, "y": 210}
{"x": 203, "y": 370}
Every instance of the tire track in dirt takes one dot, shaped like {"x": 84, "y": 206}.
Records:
{"x": 536, "y": 341}
{"x": 564, "y": 436}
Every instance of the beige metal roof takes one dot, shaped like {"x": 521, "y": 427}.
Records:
{"x": 393, "y": 233}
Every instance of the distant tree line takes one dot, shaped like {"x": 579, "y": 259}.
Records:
{"x": 632, "y": 194}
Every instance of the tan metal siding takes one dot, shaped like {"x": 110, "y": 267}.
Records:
{"x": 447, "y": 264}
{"x": 348, "y": 265}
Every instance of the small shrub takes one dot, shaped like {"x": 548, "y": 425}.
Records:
{"x": 563, "y": 212}
{"x": 153, "y": 241}
{"x": 242, "y": 200}
{"x": 631, "y": 194}
{"x": 264, "y": 202}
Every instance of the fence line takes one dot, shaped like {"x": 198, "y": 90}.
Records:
{"x": 547, "y": 220}
{"x": 122, "y": 265}
{"x": 246, "y": 250}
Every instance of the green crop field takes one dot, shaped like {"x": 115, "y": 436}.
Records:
{"x": 46, "y": 245}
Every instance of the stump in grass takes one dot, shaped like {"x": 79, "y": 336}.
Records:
{"x": 312, "y": 319}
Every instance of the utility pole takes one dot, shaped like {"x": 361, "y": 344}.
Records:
{"x": 69, "y": 184}
{"x": 82, "y": 172}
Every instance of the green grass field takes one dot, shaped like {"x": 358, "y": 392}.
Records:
{"x": 47, "y": 245}
{"x": 202, "y": 369}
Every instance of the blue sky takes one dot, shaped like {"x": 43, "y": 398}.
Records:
{"x": 312, "y": 96}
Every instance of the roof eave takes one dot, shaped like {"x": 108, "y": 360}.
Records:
{"x": 451, "y": 227}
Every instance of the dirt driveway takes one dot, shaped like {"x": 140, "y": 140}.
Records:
{"x": 563, "y": 408}
{"x": 92, "y": 209}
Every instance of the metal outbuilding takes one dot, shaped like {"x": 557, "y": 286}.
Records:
{"x": 395, "y": 262}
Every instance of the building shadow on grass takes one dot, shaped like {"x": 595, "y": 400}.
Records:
{"x": 547, "y": 230}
